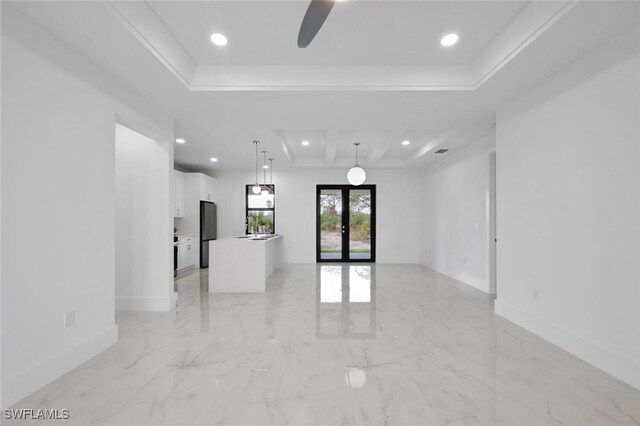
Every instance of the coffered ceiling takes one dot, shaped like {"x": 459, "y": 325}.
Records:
{"x": 376, "y": 73}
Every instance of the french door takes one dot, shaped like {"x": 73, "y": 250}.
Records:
{"x": 346, "y": 223}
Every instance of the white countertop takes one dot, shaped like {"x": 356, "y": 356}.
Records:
{"x": 251, "y": 237}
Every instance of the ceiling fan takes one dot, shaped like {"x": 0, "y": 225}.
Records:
{"x": 313, "y": 19}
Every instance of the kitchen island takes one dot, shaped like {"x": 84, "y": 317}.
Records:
{"x": 243, "y": 264}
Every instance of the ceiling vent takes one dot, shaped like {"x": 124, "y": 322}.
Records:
{"x": 441, "y": 151}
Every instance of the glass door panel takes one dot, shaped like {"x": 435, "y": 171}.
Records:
{"x": 330, "y": 224}
{"x": 360, "y": 224}
{"x": 345, "y": 223}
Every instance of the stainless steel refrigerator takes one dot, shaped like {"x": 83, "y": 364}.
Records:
{"x": 208, "y": 230}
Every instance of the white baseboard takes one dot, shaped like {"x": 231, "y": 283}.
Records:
{"x": 24, "y": 384}
{"x": 615, "y": 364}
{"x": 148, "y": 304}
{"x": 475, "y": 282}
{"x": 391, "y": 260}
{"x": 299, "y": 259}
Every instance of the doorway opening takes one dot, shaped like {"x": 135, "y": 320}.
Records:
{"x": 493, "y": 239}
{"x": 346, "y": 223}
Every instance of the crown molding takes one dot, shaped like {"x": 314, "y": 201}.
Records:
{"x": 525, "y": 28}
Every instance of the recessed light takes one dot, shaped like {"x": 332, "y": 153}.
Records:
{"x": 180, "y": 140}
{"x": 449, "y": 39}
{"x": 266, "y": 166}
{"x": 405, "y": 143}
{"x": 305, "y": 143}
{"x": 219, "y": 39}
{"x": 213, "y": 159}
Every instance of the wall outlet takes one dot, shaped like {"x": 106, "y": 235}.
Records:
{"x": 69, "y": 319}
{"x": 535, "y": 294}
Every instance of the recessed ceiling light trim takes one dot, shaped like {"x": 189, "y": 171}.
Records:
{"x": 305, "y": 143}
{"x": 449, "y": 39}
{"x": 213, "y": 159}
{"x": 219, "y": 39}
{"x": 180, "y": 140}
{"x": 406, "y": 142}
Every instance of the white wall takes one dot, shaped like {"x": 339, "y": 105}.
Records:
{"x": 398, "y": 215}
{"x": 1, "y": 236}
{"x": 568, "y": 161}
{"x": 58, "y": 203}
{"x": 454, "y": 224}
{"x": 144, "y": 272}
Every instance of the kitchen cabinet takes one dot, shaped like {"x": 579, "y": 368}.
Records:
{"x": 197, "y": 187}
{"x": 208, "y": 188}
{"x": 178, "y": 188}
{"x": 182, "y": 252}
{"x": 190, "y": 256}
{"x": 187, "y": 256}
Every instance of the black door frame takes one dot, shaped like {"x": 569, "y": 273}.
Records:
{"x": 345, "y": 222}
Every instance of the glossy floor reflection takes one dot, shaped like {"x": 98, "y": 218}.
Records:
{"x": 335, "y": 345}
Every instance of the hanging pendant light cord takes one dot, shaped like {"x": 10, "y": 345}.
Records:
{"x": 271, "y": 171}
{"x": 256, "y": 144}
{"x": 264, "y": 163}
{"x": 356, "y": 144}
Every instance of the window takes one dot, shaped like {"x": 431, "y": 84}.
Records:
{"x": 261, "y": 210}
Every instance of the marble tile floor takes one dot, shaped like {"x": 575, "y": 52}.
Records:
{"x": 344, "y": 344}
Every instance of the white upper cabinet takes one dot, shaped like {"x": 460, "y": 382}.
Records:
{"x": 178, "y": 193}
{"x": 208, "y": 189}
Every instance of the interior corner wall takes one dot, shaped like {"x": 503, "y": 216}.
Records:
{"x": 568, "y": 194}
{"x": 1, "y": 400}
{"x": 397, "y": 220}
{"x": 58, "y": 204}
{"x": 454, "y": 225}
{"x": 143, "y": 264}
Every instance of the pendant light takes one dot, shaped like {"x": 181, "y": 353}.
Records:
{"x": 256, "y": 188}
{"x": 356, "y": 175}
{"x": 265, "y": 190}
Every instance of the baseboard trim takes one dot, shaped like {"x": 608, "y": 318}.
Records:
{"x": 615, "y": 364}
{"x": 146, "y": 304}
{"x": 471, "y": 281}
{"x": 299, "y": 259}
{"x": 24, "y": 384}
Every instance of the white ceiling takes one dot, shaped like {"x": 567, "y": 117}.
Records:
{"x": 359, "y": 91}
{"x": 356, "y": 33}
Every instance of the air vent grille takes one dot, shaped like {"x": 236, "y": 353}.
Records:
{"x": 441, "y": 151}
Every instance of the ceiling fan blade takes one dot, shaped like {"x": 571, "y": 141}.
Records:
{"x": 312, "y": 22}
